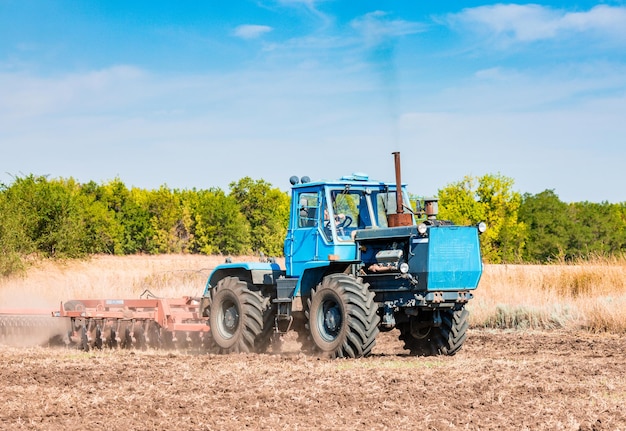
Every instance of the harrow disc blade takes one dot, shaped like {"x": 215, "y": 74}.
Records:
{"x": 32, "y": 330}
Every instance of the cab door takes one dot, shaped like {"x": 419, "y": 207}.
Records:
{"x": 303, "y": 237}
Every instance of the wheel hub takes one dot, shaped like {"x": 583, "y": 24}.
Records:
{"x": 231, "y": 317}
{"x": 332, "y": 320}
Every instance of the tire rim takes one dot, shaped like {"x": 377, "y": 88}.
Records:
{"x": 329, "y": 320}
{"x": 229, "y": 319}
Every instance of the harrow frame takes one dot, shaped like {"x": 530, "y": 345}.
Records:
{"x": 95, "y": 323}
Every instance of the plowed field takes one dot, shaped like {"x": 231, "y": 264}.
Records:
{"x": 499, "y": 380}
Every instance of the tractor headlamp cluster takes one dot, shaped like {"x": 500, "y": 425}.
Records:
{"x": 482, "y": 227}
{"x": 404, "y": 267}
{"x": 422, "y": 228}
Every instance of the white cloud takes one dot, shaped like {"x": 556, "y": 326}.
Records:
{"x": 311, "y": 7}
{"x": 532, "y": 22}
{"x": 501, "y": 89}
{"x": 251, "y": 31}
{"x": 25, "y": 96}
{"x": 602, "y": 18}
{"x": 376, "y": 27}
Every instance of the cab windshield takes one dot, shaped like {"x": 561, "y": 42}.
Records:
{"x": 349, "y": 210}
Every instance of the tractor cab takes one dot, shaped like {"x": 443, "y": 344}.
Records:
{"x": 325, "y": 216}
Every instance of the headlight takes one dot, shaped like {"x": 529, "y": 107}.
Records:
{"x": 482, "y": 227}
{"x": 404, "y": 267}
{"x": 422, "y": 228}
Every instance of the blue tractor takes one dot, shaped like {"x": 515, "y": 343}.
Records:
{"x": 359, "y": 259}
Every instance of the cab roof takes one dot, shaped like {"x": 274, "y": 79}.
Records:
{"x": 356, "y": 180}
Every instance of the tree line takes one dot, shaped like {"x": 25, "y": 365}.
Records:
{"x": 62, "y": 218}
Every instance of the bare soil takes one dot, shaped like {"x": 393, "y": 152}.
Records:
{"x": 499, "y": 380}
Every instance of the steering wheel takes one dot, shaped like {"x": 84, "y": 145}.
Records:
{"x": 347, "y": 221}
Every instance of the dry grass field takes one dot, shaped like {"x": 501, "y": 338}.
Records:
{"x": 589, "y": 296}
{"x": 46, "y": 283}
{"x": 583, "y": 295}
{"x": 546, "y": 351}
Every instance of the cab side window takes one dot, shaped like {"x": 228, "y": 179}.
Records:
{"x": 307, "y": 216}
{"x": 347, "y": 208}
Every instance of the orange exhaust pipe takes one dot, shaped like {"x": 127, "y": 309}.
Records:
{"x": 400, "y": 218}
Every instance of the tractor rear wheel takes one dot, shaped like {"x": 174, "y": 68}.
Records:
{"x": 342, "y": 317}
{"x": 241, "y": 318}
{"x": 446, "y": 339}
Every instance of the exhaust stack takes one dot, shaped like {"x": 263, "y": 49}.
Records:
{"x": 400, "y": 218}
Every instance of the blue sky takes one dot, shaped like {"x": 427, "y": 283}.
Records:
{"x": 202, "y": 93}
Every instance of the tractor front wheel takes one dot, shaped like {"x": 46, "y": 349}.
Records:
{"x": 445, "y": 339}
{"x": 240, "y": 318}
{"x": 341, "y": 317}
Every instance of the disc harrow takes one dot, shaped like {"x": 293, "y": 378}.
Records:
{"x": 114, "y": 333}
{"x": 158, "y": 323}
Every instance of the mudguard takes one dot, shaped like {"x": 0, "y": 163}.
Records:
{"x": 258, "y": 273}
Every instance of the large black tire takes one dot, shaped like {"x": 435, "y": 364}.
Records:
{"x": 446, "y": 339}
{"x": 241, "y": 319}
{"x": 342, "y": 317}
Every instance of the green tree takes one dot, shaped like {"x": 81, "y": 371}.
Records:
{"x": 49, "y": 214}
{"x": 131, "y": 230}
{"x": 219, "y": 226}
{"x": 137, "y": 221}
{"x": 169, "y": 220}
{"x": 490, "y": 199}
{"x": 104, "y": 231}
{"x": 549, "y": 226}
{"x": 267, "y": 211}
{"x": 599, "y": 229}
{"x": 14, "y": 242}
